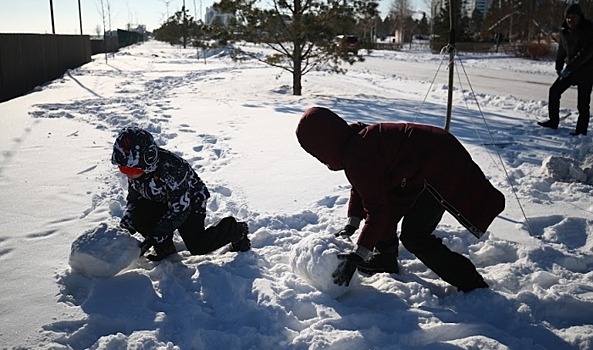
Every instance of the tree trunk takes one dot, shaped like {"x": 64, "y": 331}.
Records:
{"x": 296, "y": 78}
{"x": 297, "y": 51}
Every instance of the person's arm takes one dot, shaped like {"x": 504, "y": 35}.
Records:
{"x": 560, "y": 55}
{"x": 582, "y": 58}
{"x": 178, "y": 203}
{"x": 126, "y": 219}
{"x": 585, "y": 54}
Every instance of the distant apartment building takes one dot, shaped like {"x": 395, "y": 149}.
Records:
{"x": 467, "y": 6}
{"x": 481, "y": 5}
{"x": 214, "y": 17}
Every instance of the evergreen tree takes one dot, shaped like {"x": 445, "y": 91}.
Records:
{"x": 302, "y": 33}
{"x": 442, "y": 25}
{"x": 423, "y": 27}
{"x": 179, "y": 27}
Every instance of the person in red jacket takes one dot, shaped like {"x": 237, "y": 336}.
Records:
{"x": 402, "y": 172}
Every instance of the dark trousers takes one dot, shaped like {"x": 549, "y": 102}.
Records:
{"x": 416, "y": 235}
{"x": 197, "y": 238}
{"x": 584, "y": 88}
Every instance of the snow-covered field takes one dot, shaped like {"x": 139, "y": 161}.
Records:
{"x": 235, "y": 123}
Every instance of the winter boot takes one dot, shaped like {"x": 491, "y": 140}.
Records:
{"x": 476, "y": 281}
{"x": 380, "y": 262}
{"x": 548, "y": 124}
{"x": 162, "y": 250}
{"x": 243, "y": 244}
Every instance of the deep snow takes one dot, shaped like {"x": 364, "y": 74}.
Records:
{"x": 235, "y": 123}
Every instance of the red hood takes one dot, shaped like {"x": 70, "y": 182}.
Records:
{"x": 324, "y": 135}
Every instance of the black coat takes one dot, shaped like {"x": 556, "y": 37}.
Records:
{"x": 576, "y": 50}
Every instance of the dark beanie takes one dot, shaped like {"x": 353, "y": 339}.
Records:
{"x": 573, "y": 9}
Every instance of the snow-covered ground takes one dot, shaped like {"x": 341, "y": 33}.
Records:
{"x": 235, "y": 123}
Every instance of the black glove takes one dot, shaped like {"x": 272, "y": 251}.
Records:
{"x": 346, "y": 232}
{"x": 145, "y": 245}
{"x": 126, "y": 223}
{"x": 344, "y": 272}
{"x": 564, "y": 73}
{"x": 161, "y": 250}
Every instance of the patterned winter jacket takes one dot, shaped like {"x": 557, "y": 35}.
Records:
{"x": 175, "y": 184}
{"x": 390, "y": 164}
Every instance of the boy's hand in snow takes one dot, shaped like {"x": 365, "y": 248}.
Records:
{"x": 126, "y": 223}
{"x": 344, "y": 272}
{"x": 145, "y": 246}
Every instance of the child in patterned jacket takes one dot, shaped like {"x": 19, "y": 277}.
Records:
{"x": 165, "y": 194}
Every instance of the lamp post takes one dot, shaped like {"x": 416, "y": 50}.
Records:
{"x": 451, "y": 48}
{"x": 51, "y": 10}
{"x": 184, "y": 26}
{"x": 80, "y": 16}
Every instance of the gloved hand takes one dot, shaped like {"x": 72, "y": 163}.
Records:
{"x": 161, "y": 250}
{"x": 564, "y": 73}
{"x": 145, "y": 245}
{"x": 345, "y": 270}
{"x": 126, "y": 223}
{"x": 346, "y": 232}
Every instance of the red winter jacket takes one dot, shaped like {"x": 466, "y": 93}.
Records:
{"x": 390, "y": 164}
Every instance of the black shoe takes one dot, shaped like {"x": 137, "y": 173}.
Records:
{"x": 548, "y": 124}
{"x": 243, "y": 244}
{"x": 468, "y": 287}
{"x": 162, "y": 250}
{"x": 576, "y": 133}
{"x": 380, "y": 263}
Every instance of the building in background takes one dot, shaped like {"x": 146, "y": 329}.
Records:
{"x": 214, "y": 17}
{"x": 481, "y": 5}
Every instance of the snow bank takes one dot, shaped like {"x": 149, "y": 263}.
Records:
{"x": 566, "y": 170}
{"x": 103, "y": 251}
{"x": 314, "y": 259}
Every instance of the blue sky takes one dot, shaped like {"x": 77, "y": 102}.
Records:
{"x": 34, "y": 16}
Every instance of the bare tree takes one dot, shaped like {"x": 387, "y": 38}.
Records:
{"x": 166, "y": 2}
{"x": 105, "y": 12}
{"x": 400, "y": 11}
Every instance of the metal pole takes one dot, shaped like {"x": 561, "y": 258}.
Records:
{"x": 51, "y": 10}
{"x": 184, "y": 27}
{"x": 80, "y": 16}
{"x": 451, "y": 47}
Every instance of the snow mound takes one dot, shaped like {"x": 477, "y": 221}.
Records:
{"x": 314, "y": 259}
{"x": 103, "y": 251}
{"x": 563, "y": 169}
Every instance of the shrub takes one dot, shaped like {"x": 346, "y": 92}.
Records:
{"x": 532, "y": 51}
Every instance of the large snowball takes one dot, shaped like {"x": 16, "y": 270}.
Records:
{"x": 314, "y": 259}
{"x": 103, "y": 251}
{"x": 563, "y": 169}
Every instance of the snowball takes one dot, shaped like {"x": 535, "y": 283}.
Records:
{"x": 103, "y": 251}
{"x": 563, "y": 169}
{"x": 314, "y": 259}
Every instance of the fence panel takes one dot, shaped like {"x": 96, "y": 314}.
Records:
{"x": 28, "y": 60}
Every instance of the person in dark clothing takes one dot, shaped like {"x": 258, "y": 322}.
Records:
{"x": 165, "y": 194}
{"x": 576, "y": 50}
{"x": 402, "y": 172}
